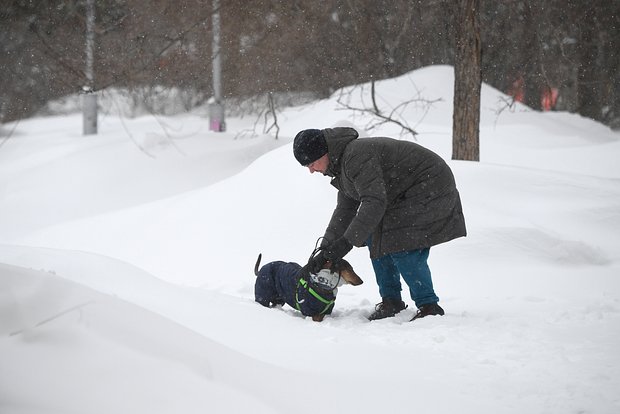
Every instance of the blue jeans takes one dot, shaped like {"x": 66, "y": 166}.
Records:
{"x": 413, "y": 267}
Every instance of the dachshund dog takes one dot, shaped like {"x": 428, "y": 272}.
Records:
{"x": 313, "y": 295}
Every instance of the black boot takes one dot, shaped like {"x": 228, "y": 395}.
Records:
{"x": 428, "y": 309}
{"x": 387, "y": 308}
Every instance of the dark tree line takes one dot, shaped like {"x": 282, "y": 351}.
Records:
{"x": 528, "y": 46}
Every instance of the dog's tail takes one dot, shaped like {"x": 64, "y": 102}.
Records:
{"x": 260, "y": 256}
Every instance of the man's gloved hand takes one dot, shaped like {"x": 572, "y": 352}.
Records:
{"x": 337, "y": 250}
{"x": 316, "y": 263}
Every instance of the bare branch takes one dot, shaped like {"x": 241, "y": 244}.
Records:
{"x": 267, "y": 111}
{"x": 10, "y": 134}
{"x": 57, "y": 57}
{"x": 505, "y": 103}
{"x": 56, "y": 316}
{"x": 272, "y": 111}
{"x": 171, "y": 42}
{"x": 378, "y": 118}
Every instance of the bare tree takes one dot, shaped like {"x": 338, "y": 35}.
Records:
{"x": 467, "y": 82}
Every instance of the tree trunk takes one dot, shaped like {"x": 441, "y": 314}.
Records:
{"x": 588, "y": 82}
{"x": 216, "y": 109}
{"x": 530, "y": 56}
{"x": 89, "y": 99}
{"x": 467, "y": 82}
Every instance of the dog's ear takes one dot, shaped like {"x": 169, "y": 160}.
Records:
{"x": 260, "y": 256}
{"x": 345, "y": 270}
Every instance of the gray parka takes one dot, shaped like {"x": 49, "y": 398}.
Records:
{"x": 398, "y": 192}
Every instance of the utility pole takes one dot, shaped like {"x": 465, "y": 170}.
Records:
{"x": 216, "y": 107}
{"x": 89, "y": 97}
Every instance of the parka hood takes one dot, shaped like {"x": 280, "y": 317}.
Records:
{"x": 337, "y": 140}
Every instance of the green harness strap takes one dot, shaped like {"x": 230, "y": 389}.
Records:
{"x": 313, "y": 292}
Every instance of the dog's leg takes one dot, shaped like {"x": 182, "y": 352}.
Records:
{"x": 318, "y": 318}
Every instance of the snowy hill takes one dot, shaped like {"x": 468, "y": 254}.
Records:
{"x": 126, "y": 278}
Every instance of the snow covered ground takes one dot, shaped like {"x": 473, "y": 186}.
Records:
{"x": 126, "y": 261}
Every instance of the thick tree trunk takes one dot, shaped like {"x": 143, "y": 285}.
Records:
{"x": 588, "y": 82}
{"x": 531, "y": 59}
{"x": 467, "y": 82}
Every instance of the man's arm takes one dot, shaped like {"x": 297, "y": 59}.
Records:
{"x": 367, "y": 176}
{"x": 345, "y": 211}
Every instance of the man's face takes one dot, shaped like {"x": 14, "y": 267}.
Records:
{"x": 319, "y": 165}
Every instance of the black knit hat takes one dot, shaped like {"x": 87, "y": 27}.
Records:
{"x": 309, "y": 145}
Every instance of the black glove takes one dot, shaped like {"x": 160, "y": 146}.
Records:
{"x": 337, "y": 250}
{"x": 316, "y": 263}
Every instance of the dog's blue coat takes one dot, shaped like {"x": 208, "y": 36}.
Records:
{"x": 277, "y": 283}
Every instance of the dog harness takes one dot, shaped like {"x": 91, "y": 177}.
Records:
{"x": 304, "y": 283}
